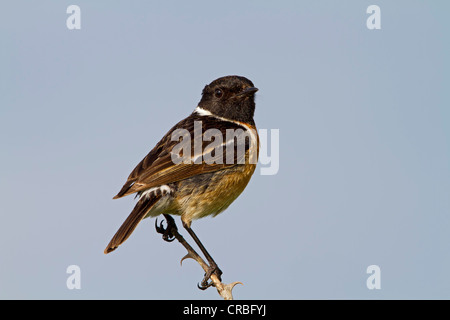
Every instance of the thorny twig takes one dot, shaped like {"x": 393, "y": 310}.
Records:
{"x": 224, "y": 290}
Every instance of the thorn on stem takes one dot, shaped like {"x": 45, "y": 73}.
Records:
{"x": 187, "y": 256}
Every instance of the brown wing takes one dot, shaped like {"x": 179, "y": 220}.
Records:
{"x": 158, "y": 168}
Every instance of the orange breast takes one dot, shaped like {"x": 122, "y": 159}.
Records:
{"x": 224, "y": 187}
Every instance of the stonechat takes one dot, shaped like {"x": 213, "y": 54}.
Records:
{"x": 205, "y": 177}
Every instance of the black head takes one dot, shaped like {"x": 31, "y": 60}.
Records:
{"x": 230, "y": 97}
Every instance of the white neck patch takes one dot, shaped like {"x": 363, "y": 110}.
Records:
{"x": 203, "y": 112}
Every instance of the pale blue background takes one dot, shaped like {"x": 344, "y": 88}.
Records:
{"x": 364, "y": 126}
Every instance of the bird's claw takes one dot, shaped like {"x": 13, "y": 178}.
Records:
{"x": 167, "y": 234}
{"x": 205, "y": 284}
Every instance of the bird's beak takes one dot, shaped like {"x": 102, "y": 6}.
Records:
{"x": 248, "y": 91}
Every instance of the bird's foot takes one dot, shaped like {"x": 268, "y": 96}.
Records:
{"x": 205, "y": 284}
{"x": 167, "y": 233}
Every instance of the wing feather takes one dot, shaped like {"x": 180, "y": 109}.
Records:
{"x": 158, "y": 168}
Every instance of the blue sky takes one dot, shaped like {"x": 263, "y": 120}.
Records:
{"x": 363, "y": 117}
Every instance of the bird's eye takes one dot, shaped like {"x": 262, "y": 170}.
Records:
{"x": 218, "y": 93}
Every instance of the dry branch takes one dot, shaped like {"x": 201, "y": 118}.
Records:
{"x": 224, "y": 290}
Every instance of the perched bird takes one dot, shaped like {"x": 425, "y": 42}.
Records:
{"x": 209, "y": 176}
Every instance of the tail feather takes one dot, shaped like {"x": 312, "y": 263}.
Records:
{"x": 125, "y": 230}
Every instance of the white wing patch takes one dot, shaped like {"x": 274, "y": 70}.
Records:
{"x": 161, "y": 190}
